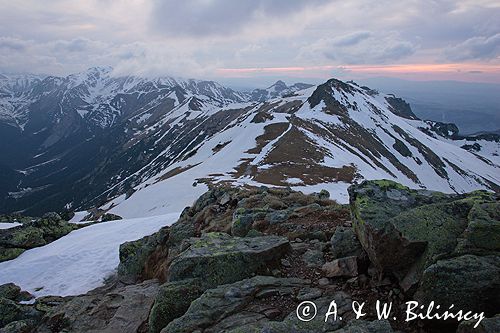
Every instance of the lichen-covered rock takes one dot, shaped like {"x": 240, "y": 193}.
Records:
{"x": 110, "y": 217}
{"x": 223, "y": 308}
{"x": 14, "y": 293}
{"x": 403, "y": 231}
{"x": 11, "y": 311}
{"x": 345, "y": 243}
{"x": 172, "y": 301}
{"x": 469, "y": 282}
{"x": 33, "y": 233}
{"x": 123, "y": 309}
{"x": 134, "y": 255}
{"x": 218, "y": 258}
{"x": 447, "y": 245}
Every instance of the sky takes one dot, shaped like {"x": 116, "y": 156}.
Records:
{"x": 255, "y": 41}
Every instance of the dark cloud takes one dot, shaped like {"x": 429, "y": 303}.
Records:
{"x": 476, "y": 48}
{"x": 13, "y": 44}
{"x": 200, "y": 18}
{"x": 352, "y": 39}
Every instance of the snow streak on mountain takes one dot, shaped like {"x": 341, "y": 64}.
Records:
{"x": 138, "y": 146}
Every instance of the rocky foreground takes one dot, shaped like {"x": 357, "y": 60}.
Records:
{"x": 242, "y": 259}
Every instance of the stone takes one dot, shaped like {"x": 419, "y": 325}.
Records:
{"x": 410, "y": 233}
{"x": 124, "y": 309}
{"x": 14, "y": 293}
{"x": 221, "y": 309}
{"x": 345, "y": 243}
{"x": 469, "y": 282}
{"x": 218, "y": 258}
{"x": 313, "y": 258}
{"x": 172, "y": 301}
{"x": 347, "y": 266}
{"x": 134, "y": 255}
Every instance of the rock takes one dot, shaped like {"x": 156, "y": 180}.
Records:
{"x": 242, "y": 222}
{"x": 405, "y": 232}
{"x": 347, "y": 266}
{"x": 19, "y": 326}
{"x": 323, "y": 282}
{"x": 345, "y": 243}
{"x": 11, "y": 311}
{"x": 124, "y": 309}
{"x": 110, "y": 217}
{"x": 313, "y": 258}
{"x": 218, "y": 258}
{"x": 277, "y": 216}
{"x": 324, "y": 194}
{"x": 309, "y": 294}
{"x": 291, "y": 323}
{"x": 172, "y": 301}
{"x": 363, "y": 326}
{"x": 469, "y": 282}
{"x": 14, "y": 293}
{"x": 134, "y": 255}
{"x": 14, "y": 241}
{"x": 223, "y": 308}
{"x": 487, "y": 325}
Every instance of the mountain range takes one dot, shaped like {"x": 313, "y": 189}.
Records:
{"x": 136, "y": 146}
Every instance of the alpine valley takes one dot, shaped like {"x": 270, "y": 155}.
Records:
{"x": 137, "y": 146}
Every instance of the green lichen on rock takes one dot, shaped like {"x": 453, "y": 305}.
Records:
{"x": 134, "y": 254}
{"x": 172, "y": 301}
{"x": 416, "y": 235}
{"x": 33, "y": 233}
{"x": 218, "y": 258}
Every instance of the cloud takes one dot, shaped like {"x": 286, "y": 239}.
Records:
{"x": 476, "y": 48}
{"x": 360, "y": 48}
{"x": 201, "y": 18}
{"x": 13, "y": 44}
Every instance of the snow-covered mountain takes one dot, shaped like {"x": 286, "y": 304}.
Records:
{"x": 143, "y": 147}
{"x": 279, "y": 89}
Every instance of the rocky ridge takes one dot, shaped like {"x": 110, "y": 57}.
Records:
{"x": 242, "y": 259}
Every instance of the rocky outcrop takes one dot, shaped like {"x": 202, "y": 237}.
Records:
{"x": 122, "y": 309}
{"x": 218, "y": 258}
{"x": 446, "y": 246}
{"x": 34, "y": 233}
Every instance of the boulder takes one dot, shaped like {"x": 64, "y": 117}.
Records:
{"x": 33, "y": 233}
{"x": 218, "y": 258}
{"x": 347, "y": 266}
{"x": 134, "y": 255}
{"x": 172, "y": 301}
{"x": 235, "y": 305}
{"x": 446, "y": 245}
{"x": 14, "y": 293}
{"x": 345, "y": 243}
{"x": 469, "y": 282}
{"x": 123, "y": 309}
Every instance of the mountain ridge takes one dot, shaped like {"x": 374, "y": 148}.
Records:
{"x": 105, "y": 138}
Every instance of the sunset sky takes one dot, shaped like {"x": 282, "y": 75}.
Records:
{"x": 255, "y": 39}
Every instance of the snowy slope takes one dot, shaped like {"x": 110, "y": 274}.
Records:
{"x": 79, "y": 261}
{"x": 324, "y": 137}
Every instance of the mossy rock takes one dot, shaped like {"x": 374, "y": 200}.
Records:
{"x": 172, "y": 301}
{"x": 404, "y": 231}
{"x": 469, "y": 282}
{"x": 10, "y": 253}
{"x": 218, "y": 258}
